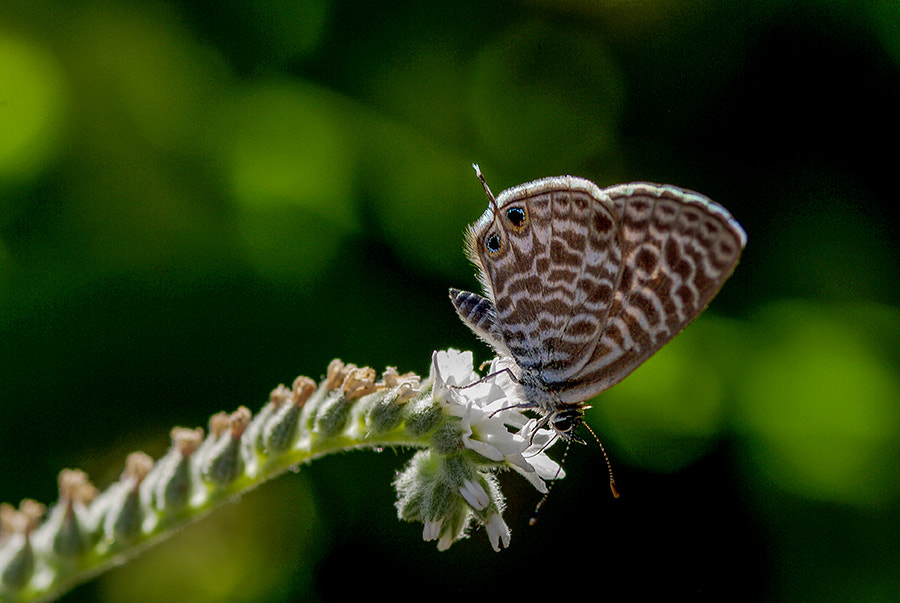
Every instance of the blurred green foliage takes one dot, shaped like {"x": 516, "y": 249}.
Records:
{"x": 199, "y": 201}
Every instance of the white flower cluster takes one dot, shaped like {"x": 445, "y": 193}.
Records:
{"x": 447, "y": 487}
{"x": 489, "y": 407}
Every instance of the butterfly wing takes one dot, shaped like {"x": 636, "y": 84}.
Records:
{"x": 678, "y": 249}
{"x": 549, "y": 257}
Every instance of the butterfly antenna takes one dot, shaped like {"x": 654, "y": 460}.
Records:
{"x": 612, "y": 480}
{"x": 537, "y": 507}
{"x": 487, "y": 189}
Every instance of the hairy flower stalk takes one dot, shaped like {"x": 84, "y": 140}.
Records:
{"x": 466, "y": 430}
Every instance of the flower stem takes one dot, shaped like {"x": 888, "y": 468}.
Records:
{"x": 447, "y": 485}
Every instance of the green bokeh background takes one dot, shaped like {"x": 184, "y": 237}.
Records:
{"x": 201, "y": 200}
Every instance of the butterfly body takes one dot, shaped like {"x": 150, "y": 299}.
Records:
{"x": 583, "y": 284}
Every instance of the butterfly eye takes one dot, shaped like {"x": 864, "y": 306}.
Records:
{"x": 516, "y": 215}
{"x": 566, "y": 420}
{"x": 492, "y": 242}
{"x": 563, "y": 422}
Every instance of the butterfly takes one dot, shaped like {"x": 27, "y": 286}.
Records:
{"x": 582, "y": 284}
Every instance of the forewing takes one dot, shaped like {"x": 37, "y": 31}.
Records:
{"x": 678, "y": 249}
{"x": 579, "y": 276}
{"x": 553, "y": 277}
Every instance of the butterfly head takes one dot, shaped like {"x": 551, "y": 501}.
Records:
{"x": 565, "y": 422}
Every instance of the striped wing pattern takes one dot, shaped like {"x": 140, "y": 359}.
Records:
{"x": 584, "y": 284}
{"x": 678, "y": 250}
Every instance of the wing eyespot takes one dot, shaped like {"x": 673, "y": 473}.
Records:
{"x": 492, "y": 243}
{"x": 517, "y": 217}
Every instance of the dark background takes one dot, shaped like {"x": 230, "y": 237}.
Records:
{"x": 201, "y": 200}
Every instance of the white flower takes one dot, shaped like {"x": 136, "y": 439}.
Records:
{"x": 475, "y": 495}
{"x": 497, "y": 531}
{"x": 432, "y": 531}
{"x": 493, "y": 423}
